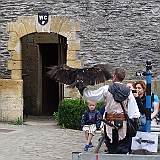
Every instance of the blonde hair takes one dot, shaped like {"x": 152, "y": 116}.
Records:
{"x": 91, "y": 102}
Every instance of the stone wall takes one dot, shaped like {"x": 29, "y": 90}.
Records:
{"x": 11, "y": 100}
{"x": 124, "y": 33}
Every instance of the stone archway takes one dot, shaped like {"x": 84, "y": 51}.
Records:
{"x": 13, "y": 88}
{"x": 29, "y": 24}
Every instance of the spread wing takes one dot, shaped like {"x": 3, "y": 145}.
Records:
{"x": 62, "y": 73}
{"x": 85, "y": 76}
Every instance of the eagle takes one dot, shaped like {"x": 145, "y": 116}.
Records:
{"x": 80, "y": 77}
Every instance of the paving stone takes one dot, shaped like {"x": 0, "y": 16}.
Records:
{"x": 38, "y": 141}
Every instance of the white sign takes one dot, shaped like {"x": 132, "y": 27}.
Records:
{"x": 145, "y": 140}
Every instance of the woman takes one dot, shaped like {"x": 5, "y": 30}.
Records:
{"x": 140, "y": 87}
{"x": 141, "y": 106}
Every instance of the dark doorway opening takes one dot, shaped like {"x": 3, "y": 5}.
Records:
{"x": 42, "y": 95}
{"x": 50, "y": 88}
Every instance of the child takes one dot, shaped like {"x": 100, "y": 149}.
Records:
{"x": 90, "y": 122}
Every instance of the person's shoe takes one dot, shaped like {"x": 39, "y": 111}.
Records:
{"x": 86, "y": 148}
{"x": 90, "y": 145}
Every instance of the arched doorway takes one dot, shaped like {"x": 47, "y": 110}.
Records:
{"x": 40, "y": 50}
{"x": 28, "y": 36}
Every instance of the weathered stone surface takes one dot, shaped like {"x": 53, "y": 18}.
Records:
{"x": 72, "y": 36}
{"x": 19, "y": 28}
{"x": 71, "y": 55}
{"x": 75, "y": 64}
{"x": 14, "y": 37}
{"x": 16, "y": 74}
{"x": 16, "y": 56}
{"x": 12, "y": 45}
{"x": 60, "y": 19}
{"x": 55, "y": 27}
{"x": 29, "y": 23}
{"x": 11, "y": 115}
{"x": 56, "y": 23}
{"x": 12, "y": 27}
{"x": 18, "y": 47}
{"x": 14, "y": 64}
{"x": 14, "y": 85}
{"x": 11, "y": 99}
{"x": 66, "y": 27}
{"x": 73, "y": 45}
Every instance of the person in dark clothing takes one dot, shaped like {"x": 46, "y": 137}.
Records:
{"x": 90, "y": 123}
{"x": 141, "y": 102}
{"x": 141, "y": 108}
{"x": 141, "y": 90}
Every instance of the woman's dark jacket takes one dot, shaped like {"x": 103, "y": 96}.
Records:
{"x": 141, "y": 102}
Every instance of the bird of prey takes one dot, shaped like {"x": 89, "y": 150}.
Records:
{"x": 82, "y": 77}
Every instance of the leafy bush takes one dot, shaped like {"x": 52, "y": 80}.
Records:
{"x": 70, "y": 112}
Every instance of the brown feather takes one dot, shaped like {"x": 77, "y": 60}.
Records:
{"x": 85, "y": 76}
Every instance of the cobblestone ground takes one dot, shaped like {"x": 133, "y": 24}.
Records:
{"x": 41, "y": 139}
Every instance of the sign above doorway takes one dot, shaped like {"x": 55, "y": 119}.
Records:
{"x": 43, "y": 18}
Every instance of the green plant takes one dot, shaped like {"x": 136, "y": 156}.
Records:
{"x": 56, "y": 116}
{"x": 70, "y": 112}
{"x": 18, "y": 122}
